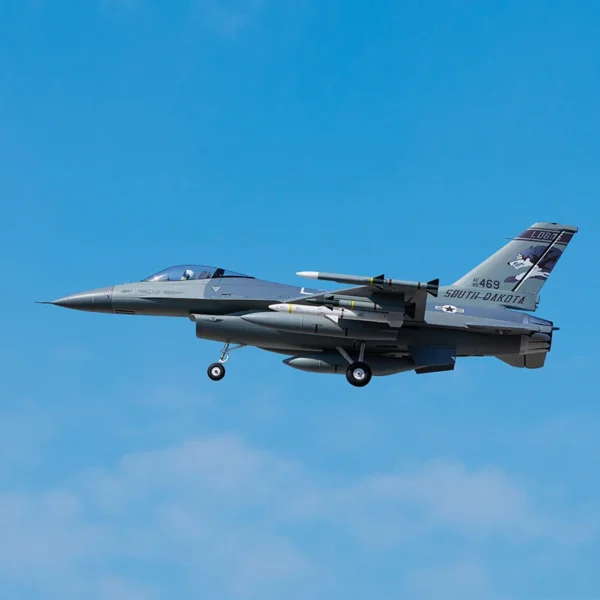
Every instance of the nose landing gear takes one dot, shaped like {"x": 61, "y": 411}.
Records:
{"x": 216, "y": 371}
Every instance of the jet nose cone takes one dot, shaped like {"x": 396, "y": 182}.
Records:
{"x": 99, "y": 300}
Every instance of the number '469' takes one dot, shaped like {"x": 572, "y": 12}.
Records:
{"x": 492, "y": 284}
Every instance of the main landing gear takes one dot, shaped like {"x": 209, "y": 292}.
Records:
{"x": 216, "y": 371}
{"x": 358, "y": 372}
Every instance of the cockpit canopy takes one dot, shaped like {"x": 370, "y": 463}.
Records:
{"x": 191, "y": 272}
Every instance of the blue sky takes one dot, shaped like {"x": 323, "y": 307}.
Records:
{"x": 272, "y": 137}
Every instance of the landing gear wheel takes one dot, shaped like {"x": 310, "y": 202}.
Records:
{"x": 359, "y": 374}
{"x": 216, "y": 371}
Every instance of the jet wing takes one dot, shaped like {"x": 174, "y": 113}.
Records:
{"x": 396, "y": 297}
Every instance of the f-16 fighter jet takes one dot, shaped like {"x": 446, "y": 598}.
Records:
{"x": 376, "y": 326}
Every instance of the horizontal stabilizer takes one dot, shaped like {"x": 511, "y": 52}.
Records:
{"x": 508, "y": 330}
{"x": 525, "y": 361}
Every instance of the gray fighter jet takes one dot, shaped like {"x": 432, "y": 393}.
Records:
{"x": 378, "y": 326}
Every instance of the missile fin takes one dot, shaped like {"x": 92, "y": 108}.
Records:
{"x": 433, "y": 287}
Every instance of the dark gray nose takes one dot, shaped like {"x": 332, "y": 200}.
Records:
{"x": 99, "y": 300}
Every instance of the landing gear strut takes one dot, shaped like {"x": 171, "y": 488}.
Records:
{"x": 216, "y": 371}
{"x": 358, "y": 372}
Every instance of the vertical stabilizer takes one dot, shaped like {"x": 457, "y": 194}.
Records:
{"x": 525, "y": 263}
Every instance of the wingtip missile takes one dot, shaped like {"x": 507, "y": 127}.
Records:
{"x": 338, "y": 278}
{"x": 432, "y": 287}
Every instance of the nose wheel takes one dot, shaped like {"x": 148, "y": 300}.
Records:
{"x": 358, "y": 372}
{"x": 216, "y": 371}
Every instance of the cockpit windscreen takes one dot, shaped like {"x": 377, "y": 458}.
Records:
{"x": 192, "y": 272}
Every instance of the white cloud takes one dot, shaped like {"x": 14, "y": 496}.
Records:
{"x": 479, "y": 501}
{"x": 231, "y": 518}
{"x": 466, "y": 580}
{"x": 45, "y": 535}
{"x": 224, "y": 471}
{"x": 118, "y": 588}
{"x": 389, "y": 508}
{"x": 24, "y": 429}
{"x": 219, "y": 469}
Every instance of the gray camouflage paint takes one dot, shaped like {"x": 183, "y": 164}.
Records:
{"x": 475, "y": 316}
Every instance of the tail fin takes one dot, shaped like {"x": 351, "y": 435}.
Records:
{"x": 525, "y": 263}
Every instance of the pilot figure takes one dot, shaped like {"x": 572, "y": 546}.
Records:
{"x": 188, "y": 274}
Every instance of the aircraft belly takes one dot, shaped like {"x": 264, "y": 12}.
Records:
{"x": 465, "y": 342}
{"x": 237, "y": 330}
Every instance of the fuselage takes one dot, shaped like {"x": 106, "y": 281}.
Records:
{"x": 232, "y": 309}
{"x": 378, "y": 326}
